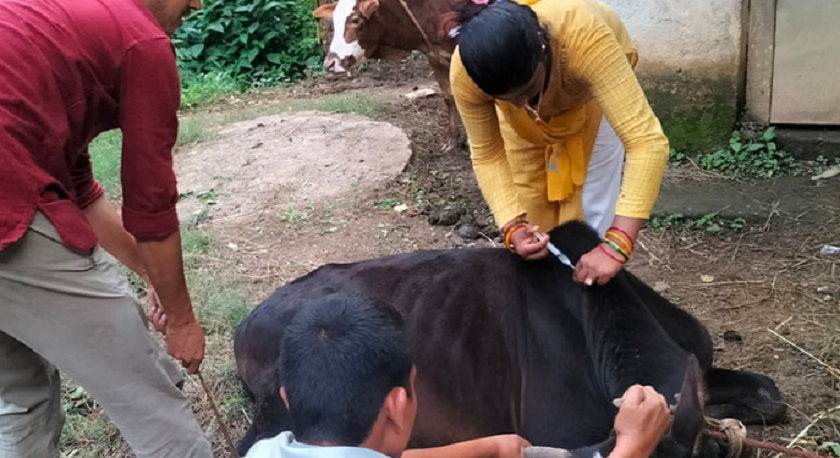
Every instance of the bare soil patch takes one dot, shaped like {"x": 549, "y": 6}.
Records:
{"x": 299, "y": 157}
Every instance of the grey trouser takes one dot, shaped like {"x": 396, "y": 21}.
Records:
{"x": 77, "y": 313}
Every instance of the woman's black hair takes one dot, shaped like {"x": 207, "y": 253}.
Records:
{"x": 501, "y": 44}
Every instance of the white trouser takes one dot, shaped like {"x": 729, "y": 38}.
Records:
{"x": 603, "y": 179}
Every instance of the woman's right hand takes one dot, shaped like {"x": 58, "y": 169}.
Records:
{"x": 525, "y": 243}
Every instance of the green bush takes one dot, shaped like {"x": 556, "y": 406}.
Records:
{"x": 258, "y": 42}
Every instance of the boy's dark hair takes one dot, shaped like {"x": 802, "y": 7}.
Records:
{"x": 340, "y": 358}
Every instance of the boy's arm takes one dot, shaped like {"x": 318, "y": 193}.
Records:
{"x": 508, "y": 446}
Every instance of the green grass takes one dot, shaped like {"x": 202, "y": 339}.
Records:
{"x": 87, "y": 432}
{"x": 200, "y": 128}
{"x": 340, "y": 103}
{"x": 204, "y": 89}
{"x": 105, "y": 155}
{"x": 219, "y": 302}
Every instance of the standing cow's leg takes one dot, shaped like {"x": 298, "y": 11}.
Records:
{"x": 441, "y": 71}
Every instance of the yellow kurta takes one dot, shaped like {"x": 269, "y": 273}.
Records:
{"x": 527, "y": 166}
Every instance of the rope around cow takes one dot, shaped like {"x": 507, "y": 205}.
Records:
{"x": 765, "y": 445}
{"x": 734, "y": 432}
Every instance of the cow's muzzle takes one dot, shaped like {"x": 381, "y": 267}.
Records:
{"x": 335, "y": 64}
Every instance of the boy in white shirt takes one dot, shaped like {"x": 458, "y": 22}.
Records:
{"x": 348, "y": 382}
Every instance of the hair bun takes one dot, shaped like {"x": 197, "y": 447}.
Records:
{"x": 462, "y": 11}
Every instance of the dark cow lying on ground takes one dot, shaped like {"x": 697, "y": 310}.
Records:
{"x": 502, "y": 345}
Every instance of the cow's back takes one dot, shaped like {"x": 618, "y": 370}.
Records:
{"x": 456, "y": 304}
{"x": 501, "y": 345}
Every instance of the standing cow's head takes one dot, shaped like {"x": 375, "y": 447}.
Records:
{"x": 355, "y": 35}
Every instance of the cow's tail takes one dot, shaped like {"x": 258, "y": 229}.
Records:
{"x": 751, "y": 398}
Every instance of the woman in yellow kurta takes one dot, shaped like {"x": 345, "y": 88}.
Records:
{"x": 548, "y": 96}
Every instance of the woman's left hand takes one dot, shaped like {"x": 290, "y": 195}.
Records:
{"x": 596, "y": 267}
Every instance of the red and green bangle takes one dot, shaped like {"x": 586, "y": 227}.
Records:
{"x": 612, "y": 245}
{"x": 618, "y": 250}
{"x": 510, "y": 231}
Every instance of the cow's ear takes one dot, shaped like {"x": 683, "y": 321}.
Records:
{"x": 325, "y": 11}
{"x": 368, "y": 7}
{"x": 689, "y": 420}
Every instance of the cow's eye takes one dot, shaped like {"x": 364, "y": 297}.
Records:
{"x": 356, "y": 20}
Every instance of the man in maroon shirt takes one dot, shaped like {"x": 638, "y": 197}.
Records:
{"x": 69, "y": 70}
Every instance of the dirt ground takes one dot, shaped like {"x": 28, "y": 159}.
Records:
{"x": 289, "y": 160}
{"x": 740, "y": 283}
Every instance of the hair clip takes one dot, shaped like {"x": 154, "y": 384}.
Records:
{"x": 455, "y": 32}
{"x": 481, "y": 2}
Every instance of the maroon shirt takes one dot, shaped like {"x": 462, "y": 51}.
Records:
{"x": 69, "y": 70}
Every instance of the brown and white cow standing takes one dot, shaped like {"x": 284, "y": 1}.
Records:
{"x": 383, "y": 29}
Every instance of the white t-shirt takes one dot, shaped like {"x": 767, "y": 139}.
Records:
{"x": 285, "y": 446}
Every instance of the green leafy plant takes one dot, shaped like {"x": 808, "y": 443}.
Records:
{"x": 711, "y": 222}
{"x": 677, "y": 158}
{"x": 715, "y": 223}
{"x": 293, "y": 215}
{"x": 386, "y": 204}
{"x": 669, "y": 222}
{"x": 750, "y": 156}
{"x": 258, "y": 41}
{"x": 738, "y": 224}
{"x": 822, "y": 163}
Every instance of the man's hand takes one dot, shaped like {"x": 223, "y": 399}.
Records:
{"x": 509, "y": 446}
{"x": 156, "y": 314}
{"x": 172, "y": 314}
{"x": 642, "y": 420}
{"x": 185, "y": 342}
{"x": 525, "y": 243}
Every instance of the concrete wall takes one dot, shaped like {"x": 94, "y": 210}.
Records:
{"x": 691, "y": 58}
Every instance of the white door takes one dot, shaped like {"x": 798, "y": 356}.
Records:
{"x": 806, "y": 65}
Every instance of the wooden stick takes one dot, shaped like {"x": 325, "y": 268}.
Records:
{"x": 831, "y": 370}
{"x": 221, "y": 423}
